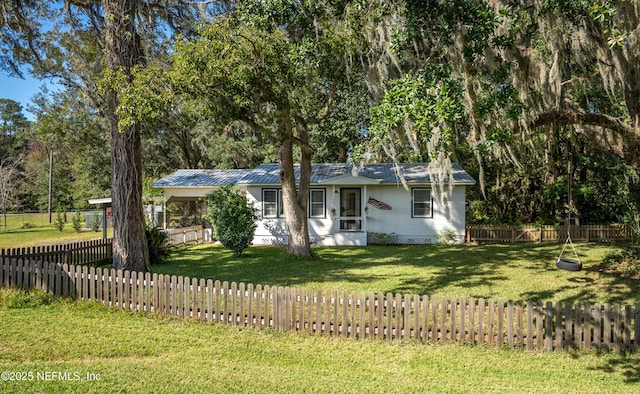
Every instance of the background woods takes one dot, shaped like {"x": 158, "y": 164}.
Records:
{"x": 538, "y": 102}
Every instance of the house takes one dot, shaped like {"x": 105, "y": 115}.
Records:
{"x": 348, "y": 205}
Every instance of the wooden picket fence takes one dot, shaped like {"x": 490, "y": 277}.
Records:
{"x": 82, "y": 252}
{"x": 186, "y": 235}
{"x": 527, "y": 325}
{"x": 483, "y": 234}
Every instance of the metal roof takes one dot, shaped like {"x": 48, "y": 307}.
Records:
{"x": 201, "y": 178}
{"x": 269, "y": 174}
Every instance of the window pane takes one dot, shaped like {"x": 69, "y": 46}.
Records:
{"x": 316, "y": 206}
{"x": 269, "y": 203}
{"x": 421, "y": 202}
{"x": 350, "y": 202}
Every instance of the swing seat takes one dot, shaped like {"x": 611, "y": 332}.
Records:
{"x": 568, "y": 264}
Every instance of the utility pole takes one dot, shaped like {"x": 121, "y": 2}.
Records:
{"x": 50, "y": 176}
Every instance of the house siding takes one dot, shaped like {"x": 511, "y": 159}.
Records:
{"x": 398, "y": 220}
{"x": 378, "y": 181}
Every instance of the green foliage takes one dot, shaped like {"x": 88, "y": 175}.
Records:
{"x": 159, "y": 248}
{"x": 626, "y": 263}
{"x": 59, "y": 220}
{"x": 21, "y": 299}
{"x": 96, "y": 220}
{"x": 76, "y": 221}
{"x": 233, "y": 218}
{"x": 26, "y": 225}
{"x": 383, "y": 238}
{"x": 447, "y": 237}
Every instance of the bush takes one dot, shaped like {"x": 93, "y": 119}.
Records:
{"x": 76, "y": 222}
{"x": 447, "y": 237}
{"x": 95, "y": 222}
{"x": 626, "y": 262}
{"x": 159, "y": 249}
{"x": 27, "y": 225}
{"x": 59, "y": 222}
{"x": 383, "y": 238}
{"x": 233, "y": 218}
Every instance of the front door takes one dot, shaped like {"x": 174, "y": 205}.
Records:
{"x": 350, "y": 209}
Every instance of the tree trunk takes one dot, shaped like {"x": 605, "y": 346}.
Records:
{"x": 130, "y": 249}
{"x": 294, "y": 201}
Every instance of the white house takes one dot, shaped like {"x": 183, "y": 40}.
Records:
{"x": 347, "y": 205}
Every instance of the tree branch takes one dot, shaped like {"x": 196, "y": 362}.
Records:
{"x": 567, "y": 118}
{"x": 334, "y": 85}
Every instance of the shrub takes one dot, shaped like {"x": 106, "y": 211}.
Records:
{"x": 383, "y": 238}
{"x": 59, "y": 222}
{"x": 233, "y": 218}
{"x": 76, "y": 222}
{"x": 447, "y": 237}
{"x": 159, "y": 248}
{"x": 27, "y": 225}
{"x": 626, "y": 262}
{"x": 95, "y": 221}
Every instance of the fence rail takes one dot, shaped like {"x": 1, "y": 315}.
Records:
{"x": 184, "y": 235}
{"x": 83, "y": 252}
{"x": 527, "y": 325}
{"x": 483, "y": 234}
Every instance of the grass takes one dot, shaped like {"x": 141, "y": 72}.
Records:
{"x": 144, "y": 353}
{"x": 20, "y": 220}
{"x": 516, "y": 272}
{"x": 45, "y": 235}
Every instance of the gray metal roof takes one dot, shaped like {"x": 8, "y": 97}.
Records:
{"x": 268, "y": 174}
{"x": 201, "y": 178}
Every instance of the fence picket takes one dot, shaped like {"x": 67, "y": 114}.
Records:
{"x": 607, "y": 327}
{"x": 210, "y": 289}
{"x": 348, "y": 314}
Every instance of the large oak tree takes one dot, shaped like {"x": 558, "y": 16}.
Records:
{"x": 276, "y": 70}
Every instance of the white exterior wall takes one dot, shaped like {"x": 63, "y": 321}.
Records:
{"x": 410, "y": 230}
{"x": 398, "y": 220}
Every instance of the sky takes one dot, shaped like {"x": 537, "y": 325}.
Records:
{"x": 20, "y": 90}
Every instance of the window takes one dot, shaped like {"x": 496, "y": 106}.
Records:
{"x": 316, "y": 203}
{"x": 421, "y": 206}
{"x": 271, "y": 203}
{"x": 272, "y": 206}
{"x": 350, "y": 206}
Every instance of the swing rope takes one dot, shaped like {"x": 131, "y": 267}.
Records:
{"x": 569, "y": 205}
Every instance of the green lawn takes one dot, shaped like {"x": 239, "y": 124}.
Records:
{"x": 113, "y": 351}
{"x": 31, "y": 219}
{"x": 516, "y": 272}
{"x": 45, "y": 235}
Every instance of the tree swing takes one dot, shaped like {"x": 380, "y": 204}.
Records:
{"x": 561, "y": 262}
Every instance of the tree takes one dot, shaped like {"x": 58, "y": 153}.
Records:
{"x": 86, "y": 42}
{"x": 276, "y": 70}
{"x": 10, "y": 180}
{"x": 124, "y": 52}
{"x": 234, "y": 218}
{"x": 491, "y": 77}
{"x": 12, "y": 127}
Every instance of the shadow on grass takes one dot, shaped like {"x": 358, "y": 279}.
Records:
{"x": 626, "y": 364}
{"x": 519, "y": 272}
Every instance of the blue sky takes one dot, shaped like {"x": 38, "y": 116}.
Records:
{"x": 20, "y": 90}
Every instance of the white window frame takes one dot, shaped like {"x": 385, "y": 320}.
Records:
{"x": 323, "y": 203}
{"x": 414, "y": 202}
{"x": 277, "y": 202}
{"x": 280, "y": 205}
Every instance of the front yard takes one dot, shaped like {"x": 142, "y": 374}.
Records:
{"x": 114, "y": 351}
{"x": 515, "y": 272}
